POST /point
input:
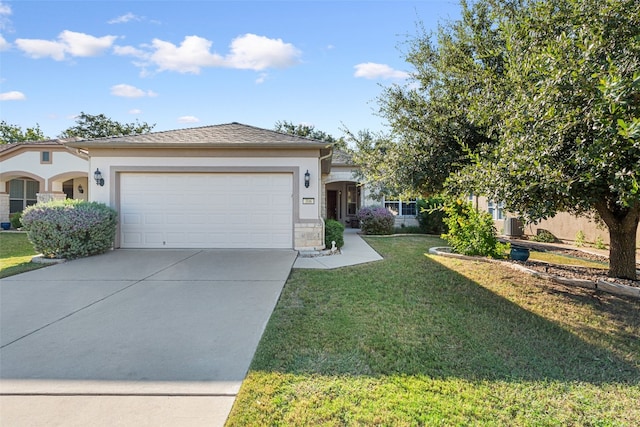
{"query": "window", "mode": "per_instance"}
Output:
(45, 157)
(22, 193)
(496, 210)
(400, 208)
(393, 207)
(352, 200)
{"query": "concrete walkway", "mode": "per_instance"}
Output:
(355, 251)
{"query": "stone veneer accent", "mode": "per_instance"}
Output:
(4, 207)
(309, 236)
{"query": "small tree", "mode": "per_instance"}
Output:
(471, 232)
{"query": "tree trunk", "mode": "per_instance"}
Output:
(623, 227)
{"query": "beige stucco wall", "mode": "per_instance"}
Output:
(62, 163)
(563, 226)
(566, 226)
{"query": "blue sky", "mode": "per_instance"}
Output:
(180, 64)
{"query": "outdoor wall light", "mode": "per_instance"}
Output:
(307, 179)
(80, 189)
(97, 175)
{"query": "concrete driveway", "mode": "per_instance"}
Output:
(141, 323)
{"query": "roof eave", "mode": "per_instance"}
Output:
(182, 145)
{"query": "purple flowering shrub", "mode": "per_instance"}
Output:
(376, 220)
(70, 228)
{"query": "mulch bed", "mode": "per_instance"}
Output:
(575, 272)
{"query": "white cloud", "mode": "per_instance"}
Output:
(194, 53)
(5, 12)
(128, 91)
(127, 17)
(4, 44)
(12, 96)
(68, 43)
(41, 48)
(5, 9)
(80, 44)
(258, 53)
(129, 51)
(188, 119)
(262, 78)
(135, 111)
(371, 70)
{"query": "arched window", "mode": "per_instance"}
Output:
(22, 193)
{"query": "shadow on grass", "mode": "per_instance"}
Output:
(411, 315)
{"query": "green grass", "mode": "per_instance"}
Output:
(565, 260)
(15, 254)
(421, 340)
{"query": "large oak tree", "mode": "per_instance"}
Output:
(534, 102)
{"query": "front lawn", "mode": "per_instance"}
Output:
(15, 254)
(428, 340)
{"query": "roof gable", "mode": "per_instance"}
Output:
(16, 148)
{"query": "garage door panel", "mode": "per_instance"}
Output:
(164, 210)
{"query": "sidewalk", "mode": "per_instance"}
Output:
(355, 251)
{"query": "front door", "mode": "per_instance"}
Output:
(332, 204)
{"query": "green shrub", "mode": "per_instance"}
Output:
(376, 220)
(70, 228)
(333, 232)
(471, 232)
(431, 216)
(579, 242)
(544, 236)
(599, 243)
(16, 220)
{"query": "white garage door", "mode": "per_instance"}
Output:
(206, 210)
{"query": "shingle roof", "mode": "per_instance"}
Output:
(47, 142)
(341, 158)
(224, 135)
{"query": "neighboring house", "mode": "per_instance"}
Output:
(40, 171)
(563, 226)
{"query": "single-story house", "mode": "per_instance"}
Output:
(221, 186)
